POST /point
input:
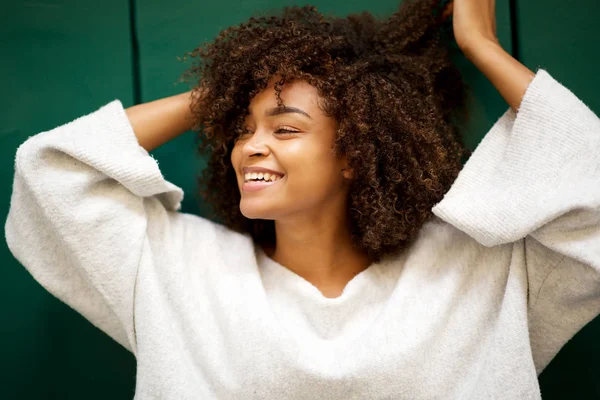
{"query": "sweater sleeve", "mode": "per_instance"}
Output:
(78, 215)
(536, 176)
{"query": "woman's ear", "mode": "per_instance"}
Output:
(347, 172)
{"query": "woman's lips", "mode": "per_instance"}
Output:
(253, 186)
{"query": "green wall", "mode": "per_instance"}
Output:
(60, 60)
(63, 59)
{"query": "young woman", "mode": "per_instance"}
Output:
(354, 260)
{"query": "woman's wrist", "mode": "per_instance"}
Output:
(186, 110)
(478, 47)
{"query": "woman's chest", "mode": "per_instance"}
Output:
(441, 333)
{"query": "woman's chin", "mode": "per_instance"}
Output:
(252, 211)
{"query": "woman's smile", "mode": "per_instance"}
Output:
(256, 178)
(254, 185)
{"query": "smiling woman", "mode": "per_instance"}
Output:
(299, 148)
(312, 189)
(358, 260)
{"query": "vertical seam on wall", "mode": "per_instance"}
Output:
(135, 54)
(514, 29)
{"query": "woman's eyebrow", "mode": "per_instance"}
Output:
(284, 110)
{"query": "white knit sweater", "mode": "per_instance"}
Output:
(502, 276)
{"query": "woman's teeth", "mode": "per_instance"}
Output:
(261, 176)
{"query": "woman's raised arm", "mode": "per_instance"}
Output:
(159, 121)
(474, 25)
(89, 204)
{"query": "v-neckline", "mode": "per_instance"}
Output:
(318, 295)
(326, 324)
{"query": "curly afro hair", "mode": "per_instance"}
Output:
(389, 82)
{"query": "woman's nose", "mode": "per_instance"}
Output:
(256, 145)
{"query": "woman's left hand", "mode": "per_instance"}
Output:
(472, 22)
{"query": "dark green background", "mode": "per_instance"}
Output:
(65, 58)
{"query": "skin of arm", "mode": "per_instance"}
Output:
(508, 75)
(156, 122)
(474, 26)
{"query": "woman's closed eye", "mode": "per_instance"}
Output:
(281, 131)
(286, 131)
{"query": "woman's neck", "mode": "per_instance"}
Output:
(320, 251)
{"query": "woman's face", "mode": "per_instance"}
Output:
(297, 145)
